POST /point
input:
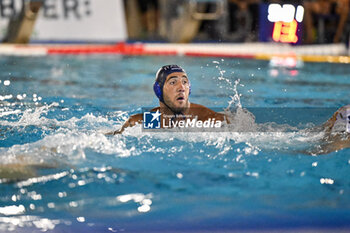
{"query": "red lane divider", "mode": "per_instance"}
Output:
(140, 49)
(203, 54)
(120, 48)
(133, 50)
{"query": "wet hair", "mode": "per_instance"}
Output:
(161, 77)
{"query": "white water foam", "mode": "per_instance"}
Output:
(75, 136)
(69, 139)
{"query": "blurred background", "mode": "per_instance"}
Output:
(60, 173)
(299, 22)
(296, 22)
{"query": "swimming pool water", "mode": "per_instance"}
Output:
(60, 173)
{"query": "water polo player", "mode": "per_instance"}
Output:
(173, 88)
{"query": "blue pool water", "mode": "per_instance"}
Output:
(60, 173)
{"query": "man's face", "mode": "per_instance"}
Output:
(176, 90)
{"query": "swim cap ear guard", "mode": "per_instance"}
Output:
(161, 77)
(158, 91)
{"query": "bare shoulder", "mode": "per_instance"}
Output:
(199, 107)
(205, 113)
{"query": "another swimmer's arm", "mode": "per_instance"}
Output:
(337, 141)
(328, 125)
(341, 113)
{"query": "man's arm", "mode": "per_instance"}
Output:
(133, 120)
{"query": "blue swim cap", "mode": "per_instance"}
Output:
(161, 77)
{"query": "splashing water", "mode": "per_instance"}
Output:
(57, 164)
(69, 139)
